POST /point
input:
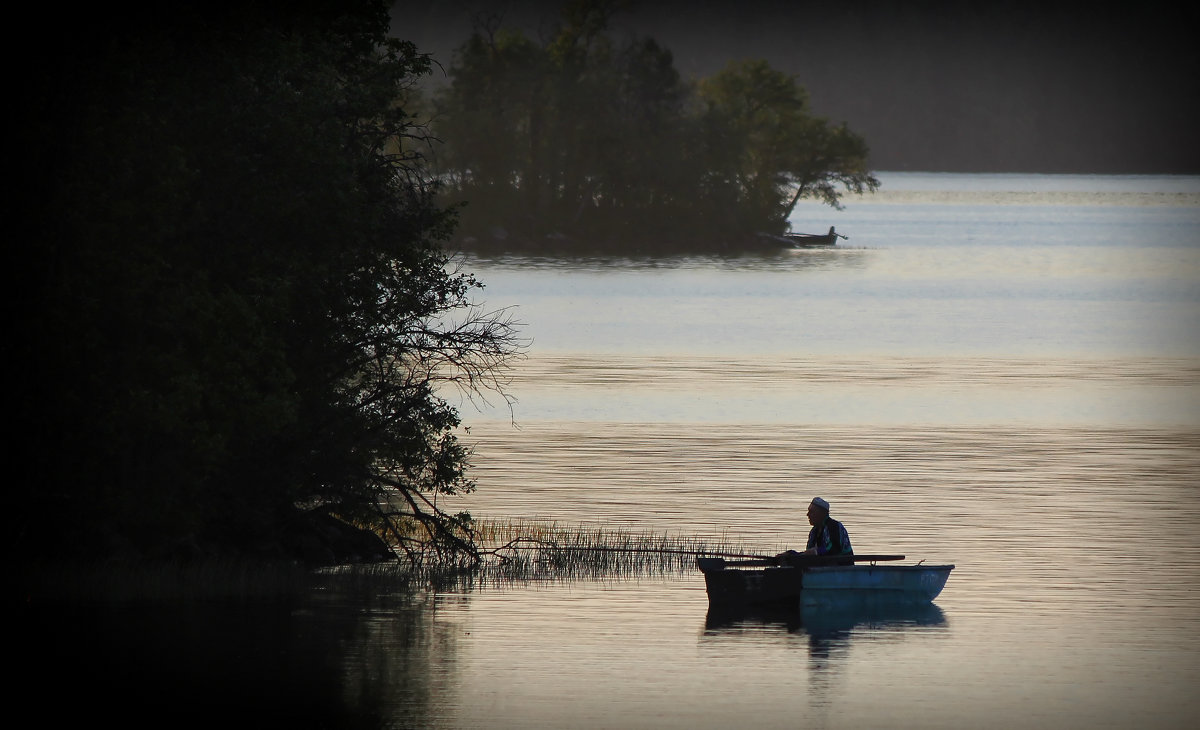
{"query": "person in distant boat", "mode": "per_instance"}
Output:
(827, 536)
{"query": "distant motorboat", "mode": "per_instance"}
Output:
(810, 240)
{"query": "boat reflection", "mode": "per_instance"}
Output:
(823, 624)
(822, 635)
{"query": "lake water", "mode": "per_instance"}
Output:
(1001, 372)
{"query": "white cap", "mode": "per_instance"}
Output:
(818, 502)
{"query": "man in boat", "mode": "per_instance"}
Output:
(827, 536)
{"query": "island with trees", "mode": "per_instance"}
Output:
(584, 142)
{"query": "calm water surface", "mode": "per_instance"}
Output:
(999, 372)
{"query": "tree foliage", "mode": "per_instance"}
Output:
(239, 301)
(776, 151)
(600, 140)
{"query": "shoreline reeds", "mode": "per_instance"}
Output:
(523, 551)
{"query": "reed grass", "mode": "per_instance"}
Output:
(521, 550)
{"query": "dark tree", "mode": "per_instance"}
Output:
(774, 150)
(238, 305)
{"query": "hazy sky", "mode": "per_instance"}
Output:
(1019, 86)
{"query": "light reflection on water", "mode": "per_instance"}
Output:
(995, 500)
(645, 654)
(897, 296)
(1072, 525)
(847, 390)
(999, 372)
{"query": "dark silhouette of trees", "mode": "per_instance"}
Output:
(238, 304)
(589, 139)
(775, 149)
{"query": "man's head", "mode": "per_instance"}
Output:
(818, 510)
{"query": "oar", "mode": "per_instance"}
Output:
(802, 560)
(666, 551)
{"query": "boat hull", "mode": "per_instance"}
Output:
(800, 240)
(826, 585)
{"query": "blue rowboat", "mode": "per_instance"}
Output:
(804, 580)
